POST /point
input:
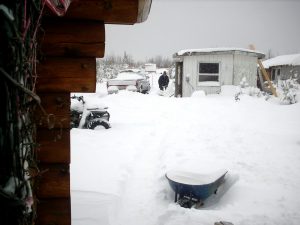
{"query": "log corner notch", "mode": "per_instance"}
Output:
(69, 47)
(144, 10)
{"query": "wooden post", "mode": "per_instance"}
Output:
(266, 76)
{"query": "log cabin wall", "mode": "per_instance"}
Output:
(69, 48)
(68, 64)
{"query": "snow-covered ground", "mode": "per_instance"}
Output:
(118, 175)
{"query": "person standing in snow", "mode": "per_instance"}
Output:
(163, 81)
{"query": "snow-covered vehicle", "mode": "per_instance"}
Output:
(88, 118)
(128, 78)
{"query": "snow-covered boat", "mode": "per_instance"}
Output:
(194, 188)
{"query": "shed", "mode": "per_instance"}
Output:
(209, 68)
(150, 67)
(283, 67)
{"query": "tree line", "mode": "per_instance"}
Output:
(110, 65)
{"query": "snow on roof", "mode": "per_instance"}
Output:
(215, 50)
(131, 70)
(282, 60)
(128, 76)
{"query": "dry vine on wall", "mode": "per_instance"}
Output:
(19, 23)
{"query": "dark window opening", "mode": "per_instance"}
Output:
(211, 68)
(203, 78)
(208, 72)
(273, 75)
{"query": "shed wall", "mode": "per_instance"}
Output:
(233, 67)
(245, 66)
(287, 72)
(190, 69)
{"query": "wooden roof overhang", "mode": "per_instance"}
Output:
(108, 11)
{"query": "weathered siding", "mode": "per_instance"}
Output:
(286, 72)
(190, 68)
(233, 67)
(245, 66)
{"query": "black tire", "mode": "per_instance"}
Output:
(106, 116)
(72, 125)
(94, 123)
(185, 203)
(141, 89)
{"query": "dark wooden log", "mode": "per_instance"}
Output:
(54, 181)
(54, 211)
(73, 38)
(74, 49)
(109, 11)
(53, 146)
(57, 74)
(57, 109)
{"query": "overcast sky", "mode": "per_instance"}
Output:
(174, 25)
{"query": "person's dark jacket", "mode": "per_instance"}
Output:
(163, 81)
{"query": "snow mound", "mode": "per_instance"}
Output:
(131, 88)
(191, 178)
(112, 90)
(229, 90)
(118, 175)
(198, 94)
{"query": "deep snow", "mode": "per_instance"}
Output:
(118, 175)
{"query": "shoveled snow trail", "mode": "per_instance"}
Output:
(145, 172)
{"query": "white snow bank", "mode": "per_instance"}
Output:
(198, 94)
(118, 175)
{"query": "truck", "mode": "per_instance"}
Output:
(130, 80)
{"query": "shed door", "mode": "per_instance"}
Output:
(178, 79)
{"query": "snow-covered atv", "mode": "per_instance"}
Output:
(88, 118)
